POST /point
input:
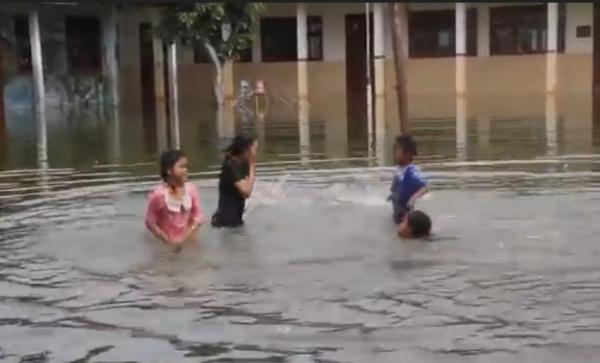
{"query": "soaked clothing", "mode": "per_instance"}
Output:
(407, 181)
(231, 202)
(173, 216)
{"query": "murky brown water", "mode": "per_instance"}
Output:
(317, 275)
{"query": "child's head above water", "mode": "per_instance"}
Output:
(173, 167)
(242, 146)
(415, 224)
(405, 149)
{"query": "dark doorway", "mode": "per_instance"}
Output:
(147, 80)
(356, 76)
(83, 45)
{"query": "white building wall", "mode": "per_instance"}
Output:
(578, 14)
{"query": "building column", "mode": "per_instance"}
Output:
(173, 95)
(483, 30)
(109, 59)
(159, 92)
(303, 105)
(551, 125)
(461, 48)
(36, 61)
(596, 76)
(552, 48)
(461, 128)
(379, 68)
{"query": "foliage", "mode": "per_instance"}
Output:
(202, 24)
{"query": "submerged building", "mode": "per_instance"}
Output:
(312, 51)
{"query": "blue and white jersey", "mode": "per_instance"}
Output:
(407, 181)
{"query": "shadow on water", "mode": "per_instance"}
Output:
(317, 274)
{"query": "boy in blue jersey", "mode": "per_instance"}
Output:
(408, 186)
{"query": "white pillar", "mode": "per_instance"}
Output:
(379, 55)
(303, 105)
(36, 62)
(302, 40)
(483, 30)
(461, 47)
(461, 128)
(109, 59)
(369, 63)
(173, 95)
(551, 125)
(552, 48)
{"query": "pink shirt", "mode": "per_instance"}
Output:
(174, 216)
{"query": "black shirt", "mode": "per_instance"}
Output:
(231, 202)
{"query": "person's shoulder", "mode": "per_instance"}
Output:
(191, 187)
(157, 191)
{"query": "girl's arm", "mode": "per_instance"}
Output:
(152, 215)
(246, 185)
(197, 217)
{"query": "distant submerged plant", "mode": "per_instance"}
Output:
(223, 29)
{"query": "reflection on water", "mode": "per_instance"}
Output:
(317, 275)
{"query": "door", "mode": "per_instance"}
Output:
(147, 84)
(356, 77)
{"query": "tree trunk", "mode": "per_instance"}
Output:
(399, 38)
(218, 81)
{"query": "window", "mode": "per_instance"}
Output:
(23, 47)
(83, 44)
(279, 38)
(522, 29)
(315, 37)
(583, 31)
(432, 33)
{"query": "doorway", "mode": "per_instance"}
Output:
(147, 84)
(356, 76)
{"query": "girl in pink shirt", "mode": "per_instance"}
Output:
(174, 211)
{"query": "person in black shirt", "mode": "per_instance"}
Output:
(236, 181)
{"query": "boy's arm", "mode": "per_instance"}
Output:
(421, 192)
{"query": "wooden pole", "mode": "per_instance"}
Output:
(399, 38)
(173, 96)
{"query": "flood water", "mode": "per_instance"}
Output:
(317, 274)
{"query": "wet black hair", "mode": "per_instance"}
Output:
(407, 143)
(168, 159)
(239, 145)
(419, 223)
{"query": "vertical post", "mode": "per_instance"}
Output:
(379, 55)
(109, 64)
(303, 105)
(369, 78)
(552, 48)
(483, 30)
(399, 39)
(159, 93)
(551, 125)
(461, 128)
(173, 95)
(36, 60)
(461, 48)
(228, 86)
